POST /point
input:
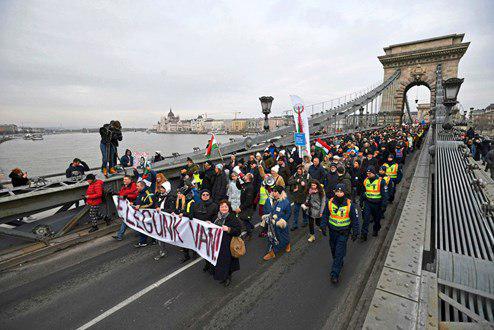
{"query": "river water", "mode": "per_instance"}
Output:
(55, 152)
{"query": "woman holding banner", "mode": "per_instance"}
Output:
(232, 227)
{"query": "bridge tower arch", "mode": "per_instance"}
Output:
(418, 62)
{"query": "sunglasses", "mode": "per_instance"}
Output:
(205, 194)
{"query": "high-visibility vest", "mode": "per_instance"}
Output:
(387, 179)
(263, 196)
(392, 170)
(197, 179)
(339, 216)
(189, 205)
(372, 189)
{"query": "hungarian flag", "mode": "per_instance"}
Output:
(211, 146)
(323, 146)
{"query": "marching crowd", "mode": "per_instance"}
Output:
(343, 187)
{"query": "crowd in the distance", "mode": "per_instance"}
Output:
(353, 174)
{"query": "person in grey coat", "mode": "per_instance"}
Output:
(314, 206)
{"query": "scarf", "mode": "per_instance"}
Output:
(220, 220)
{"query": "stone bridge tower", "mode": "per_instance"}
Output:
(418, 62)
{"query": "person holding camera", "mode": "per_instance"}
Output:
(314, 206)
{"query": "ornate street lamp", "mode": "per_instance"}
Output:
(266, 102)
(451, 88)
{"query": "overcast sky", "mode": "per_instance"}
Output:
(82, 63)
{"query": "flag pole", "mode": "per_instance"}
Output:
(219, 151)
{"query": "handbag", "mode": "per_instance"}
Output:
(237, 247)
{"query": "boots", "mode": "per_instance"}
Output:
(105, 171)
(288, 248)
(312, 238)
(113, 170)
(93, 228)
(270, 255)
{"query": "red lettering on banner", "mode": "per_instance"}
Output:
(165, 224)
(203, 238)
(176, 233)
(147, 225)
(158, 227)
(120, 202)
(193, 232)
(127, 216)
(168, 227)
(211, 242)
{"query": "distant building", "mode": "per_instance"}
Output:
(9, 129)
(423, 111)
(482, 120)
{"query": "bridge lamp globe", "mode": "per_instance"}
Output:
(451, 88)
(266, 102)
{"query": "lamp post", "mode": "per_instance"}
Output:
(451, 88)
(266, 102)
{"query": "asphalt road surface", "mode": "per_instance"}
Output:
(104, 284)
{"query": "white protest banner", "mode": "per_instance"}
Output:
(301, 123)
(197, 235)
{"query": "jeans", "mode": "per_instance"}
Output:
(372, 213)
(296, 212)
(122, 230)
(108, 155)
(143, 239)
(337, 244)
(311, 224)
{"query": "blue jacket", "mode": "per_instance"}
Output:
(283, 210)
(127, 161)
(145, 199)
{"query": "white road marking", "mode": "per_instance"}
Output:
(141, 293)
(137, 295)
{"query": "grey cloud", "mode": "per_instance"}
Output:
(83, 62)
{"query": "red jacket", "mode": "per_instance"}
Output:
(94, 193)
(129, 192)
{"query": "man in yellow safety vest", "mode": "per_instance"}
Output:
(374, 197)
(343, 219)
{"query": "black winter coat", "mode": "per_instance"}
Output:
(227, 264)
(208, 177)
(18, 180)
(166, 202)
(247, 196)
(219, 187)
(204, 210)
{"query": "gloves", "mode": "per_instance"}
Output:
(275, 216)
(304, 207)
(281, 223)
